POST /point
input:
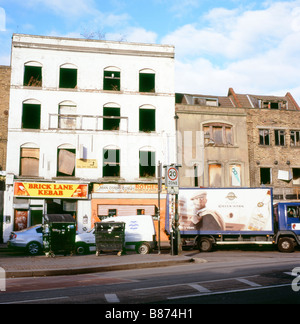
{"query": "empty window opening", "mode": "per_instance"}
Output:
(68, 78)
(31, 117)
(112, 81)
(29, 162)
(147, 120)
(66, 162)
(295, 138)
(111, 120)
(265, 176)
(147, 164)
(296, 176)
(264, 137)
(147, 82)
(279, 137)
(32, 76)
(111, 163)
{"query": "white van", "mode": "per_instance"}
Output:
(139, 234)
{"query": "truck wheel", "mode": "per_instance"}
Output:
(205, 244)
(286, 244)
(143, 248)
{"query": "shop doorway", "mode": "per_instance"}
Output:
(36, 216)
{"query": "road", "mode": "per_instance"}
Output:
(228, 277)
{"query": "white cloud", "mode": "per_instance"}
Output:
(133, 34)
(253, 51)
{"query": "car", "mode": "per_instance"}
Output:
(85, 242)
(29, 239)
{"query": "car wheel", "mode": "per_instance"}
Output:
(81, 249)
(33, 248)
(143, 248)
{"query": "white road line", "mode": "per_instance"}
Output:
(199, 288)
(112, 298)
(248, 282)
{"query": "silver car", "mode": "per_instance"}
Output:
(29, 240)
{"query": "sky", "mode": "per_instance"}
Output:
(251, 46)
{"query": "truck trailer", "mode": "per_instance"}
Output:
(208, 217)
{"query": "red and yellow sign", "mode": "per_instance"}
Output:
(50, 190)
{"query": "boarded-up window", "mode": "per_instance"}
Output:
(67, 119)
(29, 164)
(66, 162)
(215, 175)
(235, 173)
(221, 134)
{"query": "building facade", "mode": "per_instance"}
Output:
(212, 142)
(273, 124)
(89, 121)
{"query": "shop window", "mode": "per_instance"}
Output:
(147, 81)
(265, 176)
(295, 138)
(31, 116)
(29, 161)
(68, 78)
(111, 163)
(112, 80)
(112, 212)
(111, 122)
(264, 137)
(32, 76)
(147, 120)
(279, 137)
(147, 164)
(66, 162)
(220, 134)
(215, 175)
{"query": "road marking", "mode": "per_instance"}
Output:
(229, 291)
(199, 288)
(248, 282)
(112, 298)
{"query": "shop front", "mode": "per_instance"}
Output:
(128, 200)
(31, 200)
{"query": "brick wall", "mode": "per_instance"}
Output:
(4, 108)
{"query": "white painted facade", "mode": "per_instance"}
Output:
(90, 58)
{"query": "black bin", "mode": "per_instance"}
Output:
(59, 232)
(110, 236)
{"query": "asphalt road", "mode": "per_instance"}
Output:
(228, 277)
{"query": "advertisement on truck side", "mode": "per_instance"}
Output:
(223, 210)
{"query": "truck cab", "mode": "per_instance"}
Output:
(287, 216)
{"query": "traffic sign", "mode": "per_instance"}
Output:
(172, 179)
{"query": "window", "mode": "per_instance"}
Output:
(279, 137)
(215, 175)
(68, 77)
(66, 157)
(111, 122)
(140, 211)
(111, 163)
(293, 211)
(221, 134)
(147, 120)
(296, 176)
(147, 164)
(295, 138)
(29, 161)
(111, 80)
(31, 116)
(147, 81)
(235, 172)
(264, 137)
(66, 118)
(265, 176)
(32, 75)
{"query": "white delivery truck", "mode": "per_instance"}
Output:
(139, 234)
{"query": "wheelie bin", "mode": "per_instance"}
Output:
(59, 232)
(110, 236)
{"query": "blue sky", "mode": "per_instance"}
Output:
(252, 46)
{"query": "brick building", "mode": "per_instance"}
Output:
(273, 124)
(4, 105)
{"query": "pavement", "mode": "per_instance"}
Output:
(20, 265)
